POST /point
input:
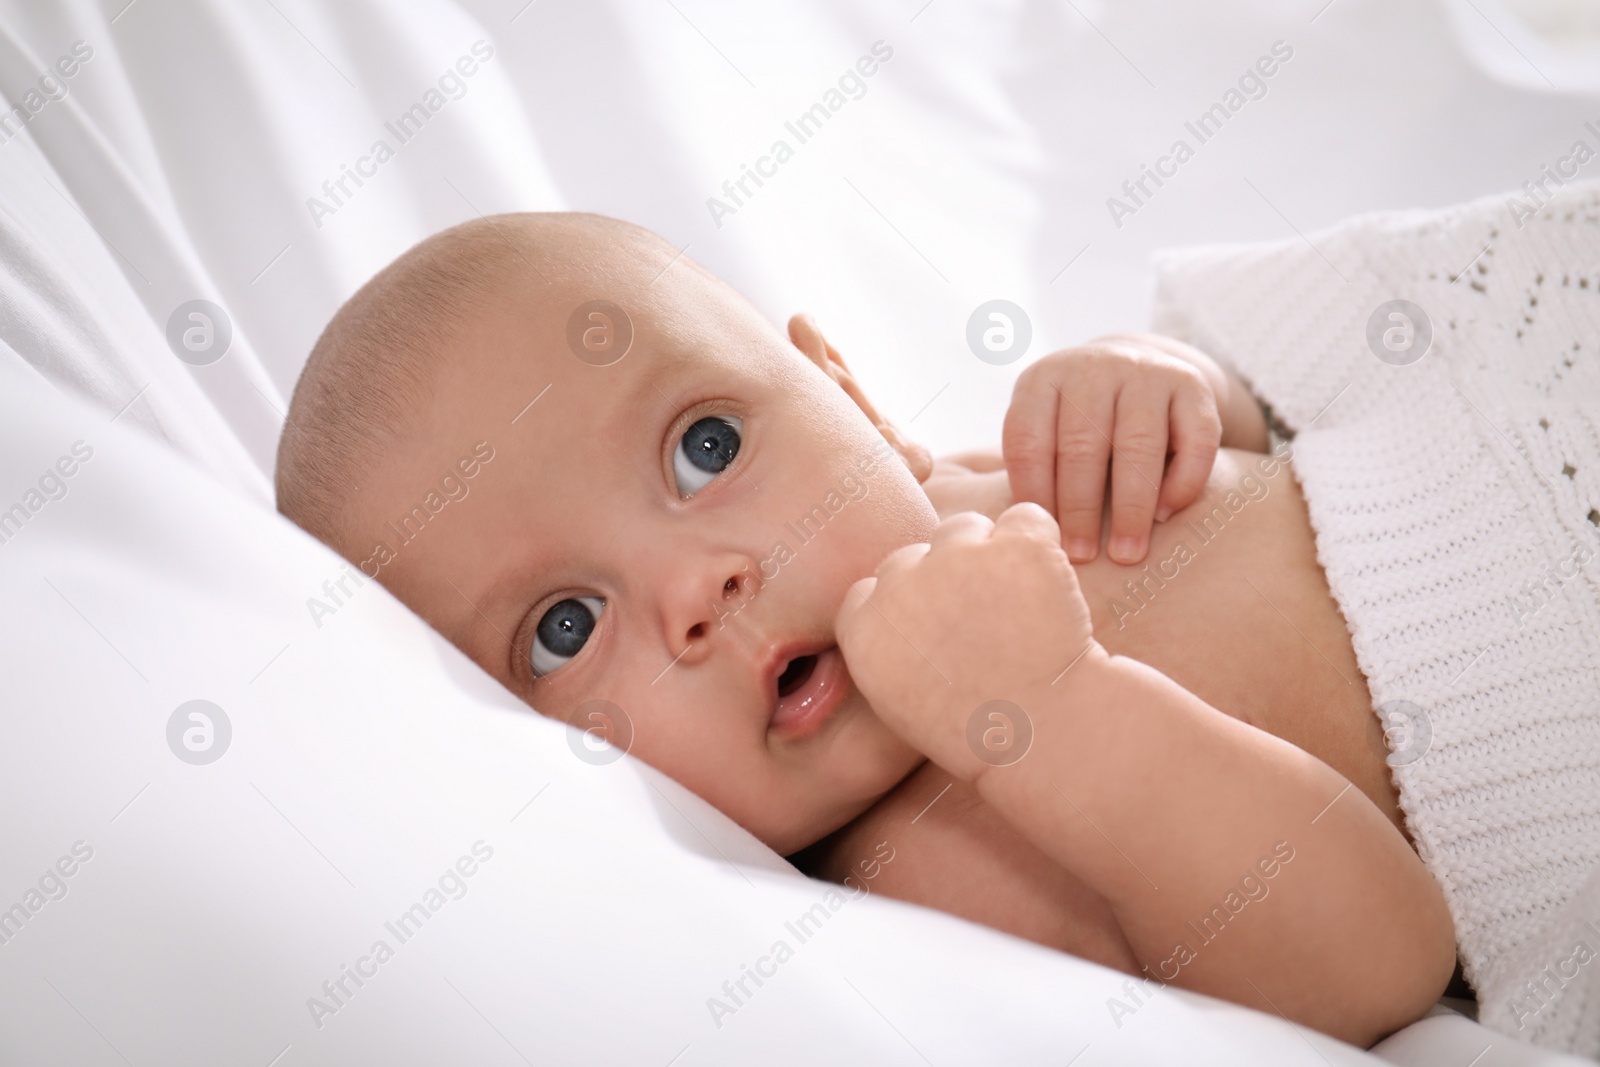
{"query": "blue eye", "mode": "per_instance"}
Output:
(705, 451)
(563, 631)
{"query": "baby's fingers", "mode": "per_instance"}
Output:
(1028, 439)
(1027, 519)
(847, 621)
(1083, 448)
(1136, 471)
(1056, 447)
(1196, 432)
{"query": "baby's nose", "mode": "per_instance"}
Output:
(737, 593)
(711, 612)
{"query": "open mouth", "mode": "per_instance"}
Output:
(809, 690)
(795, 674)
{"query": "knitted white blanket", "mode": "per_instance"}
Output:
(1456, 500)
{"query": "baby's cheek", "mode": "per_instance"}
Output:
(684, 743)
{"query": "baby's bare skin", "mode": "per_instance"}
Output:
(1247, 624)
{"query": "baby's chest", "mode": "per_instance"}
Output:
(1233, 605)
(1230, 601)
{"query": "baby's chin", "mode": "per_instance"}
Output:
(864, 764)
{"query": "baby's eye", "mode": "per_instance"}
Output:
(705, 451)
(562, 631)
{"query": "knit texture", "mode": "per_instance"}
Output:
(1455, 502)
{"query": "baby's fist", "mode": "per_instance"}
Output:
(984, 611)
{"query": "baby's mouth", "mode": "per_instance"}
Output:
(795, 674)
(810, 688)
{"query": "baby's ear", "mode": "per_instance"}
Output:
(808, 339)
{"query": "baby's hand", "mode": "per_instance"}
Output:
(983, 611)
(1126, 398)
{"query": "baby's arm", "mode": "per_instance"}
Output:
(1176, 812)
(1157, 801)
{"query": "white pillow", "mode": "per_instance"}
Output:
(190, 154)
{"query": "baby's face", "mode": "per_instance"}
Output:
(666, 533)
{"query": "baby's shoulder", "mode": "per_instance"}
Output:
(972, 461)
(969, 481)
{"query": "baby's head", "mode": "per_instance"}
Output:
(655, 501)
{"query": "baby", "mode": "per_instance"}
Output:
(685, 523)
